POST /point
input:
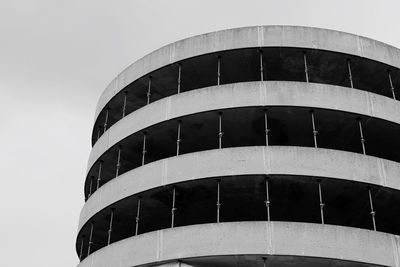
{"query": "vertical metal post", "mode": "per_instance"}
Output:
(81, 249)
(178, 140)
(266, 127)
(220, 132)
(118, 161)
(261, 66)
(350, 74)
(219, 71)
(98, 132)
(144, 151)
(110, 227)
(305, 66)
(173, 209)
(105, 121)
(315, 132)
(372, 208)
(99, 174)
(149, 91)
(179, 77)
(267, 202)
(218, 199)
(90, 238)
(361, 136)
(124, 104)
(321, 203)
(391, 85)
(90, 186)
(265, 261)
(137, 217)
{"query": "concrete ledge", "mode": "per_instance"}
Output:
(271, 93)
(243, 161)
(258, 36)
(241, 238)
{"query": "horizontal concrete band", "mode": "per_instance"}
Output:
(244, 161)
(259, 36)
(241, 238)
(271, 93)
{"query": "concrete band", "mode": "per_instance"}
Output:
(271, 93)
(241, 238)
(259, 36)
(244, 161)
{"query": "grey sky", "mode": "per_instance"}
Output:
(56, 57)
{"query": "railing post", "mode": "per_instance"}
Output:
(372, 208)
(315, 132)
(266, 127)
(321, 203)
(99, 174)
(361, 136)
(178, 140)
(90, 238)
(149, 91)
(391, 85)
(110, 226)
(218, 200)
(350, 74)
(137, 217)
(305, 66)
(124, 104)
(267, 201)
(144, 151)
(220, 132)
(173, 209)
(118, 161)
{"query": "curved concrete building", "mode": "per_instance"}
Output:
(258, 146)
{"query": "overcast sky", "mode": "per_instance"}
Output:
(56, 57)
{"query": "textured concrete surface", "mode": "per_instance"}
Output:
(271, 93)
(268, 238)
(241, 161)
(258, 36)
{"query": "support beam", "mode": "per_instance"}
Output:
(144, 151)
(118, 166)
(124, 104)
(361, 136)
(90, 238)
(137, 217)
(350, 74)
(315, 132)
(99, 174)
(391, 85)
(305, 66)
(266, 127)
(267, 201)
(173, 208)
(179, 76)
(110, 226)
(261, 66)
(372, 212)
(178, 139)
(321, 203)
(220, 132)
(149, 90)
(218, 200)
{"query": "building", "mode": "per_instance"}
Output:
(258, 146)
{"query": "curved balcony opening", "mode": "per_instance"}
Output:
(247, 126)
(244, 198)
(250, 64)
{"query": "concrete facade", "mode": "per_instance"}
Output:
(257, 146)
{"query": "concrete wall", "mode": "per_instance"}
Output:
(273, 93)
(240, 238)
(260, 36)
(242, 161)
